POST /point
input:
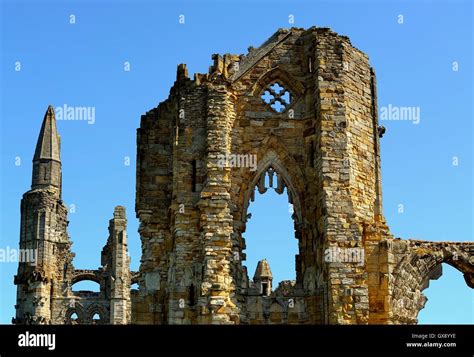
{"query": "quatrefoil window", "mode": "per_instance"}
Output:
(277, 97)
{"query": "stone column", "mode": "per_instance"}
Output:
(120, 309)
(217, 288)
(185, 269)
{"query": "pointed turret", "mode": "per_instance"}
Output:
(263, 277)
(47, 159)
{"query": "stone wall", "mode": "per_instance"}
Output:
(322, 149)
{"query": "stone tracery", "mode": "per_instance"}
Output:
(277, 97)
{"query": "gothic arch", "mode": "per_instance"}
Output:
(277, 74)
(81, 275)
(272, 161)
(414, 272)
(78, 310)
(96, 309)
(271, 155)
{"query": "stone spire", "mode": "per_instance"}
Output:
(43, 231)
(47, 160)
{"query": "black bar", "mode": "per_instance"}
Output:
(221, 340)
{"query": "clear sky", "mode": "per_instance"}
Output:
(421, 51)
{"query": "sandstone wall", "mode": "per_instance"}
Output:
(322, 148)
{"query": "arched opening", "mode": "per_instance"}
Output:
(271, 247)
(96, 319)
(86, 286)
(449, 299)
(74, 318)
(134, 286)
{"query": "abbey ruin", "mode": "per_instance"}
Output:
(303, 106)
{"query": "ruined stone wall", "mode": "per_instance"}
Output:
(153, 200)
(411, 266)
(86, 305)
(347, 149)
(189, 149)
(322, 147)
(113, 301)
(278, 141)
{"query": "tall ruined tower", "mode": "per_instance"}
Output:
(43, 231)
(304, 105)
(45, 292)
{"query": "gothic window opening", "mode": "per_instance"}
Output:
(270, 243)
(96, 319)
(277, 97)
(73, 318)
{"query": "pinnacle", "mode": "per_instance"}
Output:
(48, 146)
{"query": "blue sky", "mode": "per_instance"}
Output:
(82, 64)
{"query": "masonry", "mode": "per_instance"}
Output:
(44, 293)
(304, 104)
